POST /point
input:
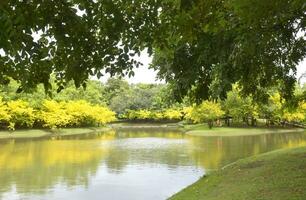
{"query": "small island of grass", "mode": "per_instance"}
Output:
(277, 175)
(203, 130)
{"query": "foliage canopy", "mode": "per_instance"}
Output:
(200, 46)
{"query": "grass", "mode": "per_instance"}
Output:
(277, 175)
(203, 130)
(78, 131)
(31, 133)
(144, 125)
(36, 133)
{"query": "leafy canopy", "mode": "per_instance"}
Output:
(200, 46)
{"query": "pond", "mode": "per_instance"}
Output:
(124, 164)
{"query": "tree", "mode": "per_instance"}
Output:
(94, 93)
(202, 47)
(209, 45)
(78, 39)
(239, 107)
(207, 111)
(272, 109)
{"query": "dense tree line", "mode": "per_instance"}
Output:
(153, 102)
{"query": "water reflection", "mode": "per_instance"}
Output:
(125, 164)
(215, 152)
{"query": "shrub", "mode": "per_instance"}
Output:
(21, 114)
(173, 114)
(4, 113)
(54, 114)
(296, 115)
(74, 113)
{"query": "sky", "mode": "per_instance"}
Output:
(145, 75)
(142, 74)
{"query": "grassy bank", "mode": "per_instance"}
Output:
(277, 175)
(36, 133)
(145, 125)
(203, 130)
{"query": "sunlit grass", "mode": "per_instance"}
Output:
(36, 133)
(278, 175)
(31, 133)
(203, 130)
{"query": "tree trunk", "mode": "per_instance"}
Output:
(254, 123)
(228, 121)
(210, 124)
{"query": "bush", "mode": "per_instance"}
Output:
(173, 114)
(296, 115)
(4, 113)
(74, 113)
(21, 115)
(53, 114)
(168, 114)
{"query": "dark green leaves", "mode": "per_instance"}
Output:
(201, 46)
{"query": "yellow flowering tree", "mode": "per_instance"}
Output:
(207, 111)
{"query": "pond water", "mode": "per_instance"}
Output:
(126, 164)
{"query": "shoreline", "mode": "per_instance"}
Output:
(41, 133)
(232, 131)
(250, 178)
(200, 130)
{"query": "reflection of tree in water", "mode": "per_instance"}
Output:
(34, 167)
(215, 152)
(37, 166)
(150, 148)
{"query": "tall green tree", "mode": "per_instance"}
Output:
(240, 108)
(200, 46)
(209, 45)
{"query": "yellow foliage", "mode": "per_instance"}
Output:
(157, 115)
(206, 111)
(74, 113)
(173, 114)
(143, 114)
(54, 114)
(297, 115)
(4, 114)
(20, 114)
(103, 115)
(187, 112)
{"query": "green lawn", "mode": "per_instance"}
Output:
(78, 131)
(31, 133)
(36, 133)
(277, 175)
(203, 130)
